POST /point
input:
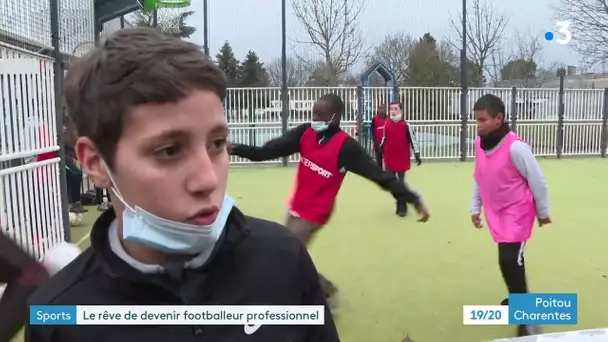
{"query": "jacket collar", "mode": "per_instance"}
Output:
(235, 232)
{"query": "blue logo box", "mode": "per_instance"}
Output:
(52, 315)
(543, 308)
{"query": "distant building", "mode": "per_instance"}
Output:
(571, 81)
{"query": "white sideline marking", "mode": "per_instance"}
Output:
(584, 161)
(84, 238)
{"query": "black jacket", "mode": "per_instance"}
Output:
(257, 263)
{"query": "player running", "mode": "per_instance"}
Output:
(326, 154)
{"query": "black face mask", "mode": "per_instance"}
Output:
(490, 141)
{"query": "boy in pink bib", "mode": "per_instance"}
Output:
(511, 188)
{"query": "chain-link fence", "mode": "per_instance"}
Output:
(38, 39)
(32, 188)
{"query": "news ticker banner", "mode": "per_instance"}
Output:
(528, 308)
(248, 316)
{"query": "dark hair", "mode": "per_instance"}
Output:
(335, 102)
(397, 103)
(491, 104)
(132, 67)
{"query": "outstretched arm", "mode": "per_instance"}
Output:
(283, 146)
(354, 159)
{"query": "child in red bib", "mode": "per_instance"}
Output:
(377, 132)
(399, 139)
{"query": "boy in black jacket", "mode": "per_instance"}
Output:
(149, 111)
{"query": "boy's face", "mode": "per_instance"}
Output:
(382, 110)
(486, 123)
(396, 110)
(321, 111)
(171, 159)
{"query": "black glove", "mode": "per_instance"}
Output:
(418, 160)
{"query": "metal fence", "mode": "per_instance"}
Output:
(555, 123)
(38, 39)
(30, 196)
(576, 128)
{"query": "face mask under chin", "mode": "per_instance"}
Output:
(167, 236)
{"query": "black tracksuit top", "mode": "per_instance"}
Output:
(256, 262)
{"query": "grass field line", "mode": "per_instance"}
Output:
(84, 238)
(582, 161)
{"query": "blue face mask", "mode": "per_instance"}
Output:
(321, 126)
(172, 237)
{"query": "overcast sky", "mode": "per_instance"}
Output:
(256, 24)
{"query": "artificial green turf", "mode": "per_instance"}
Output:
(399, 277)
(80, 234)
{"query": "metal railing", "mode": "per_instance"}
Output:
(576, 128)
(555, 123)
(30, 196)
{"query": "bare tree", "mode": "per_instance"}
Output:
(589, 27)
(485, 28)
(497, 61)
(524, 65)
(527, 45)
(297, 72)
(333, 32)
(393, 52)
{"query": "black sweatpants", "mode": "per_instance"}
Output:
(378, 155)
(400, 177)
(512, 267)
(400, 207)
(99, 195)
(73, 177)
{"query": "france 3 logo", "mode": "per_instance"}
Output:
(564, 36)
